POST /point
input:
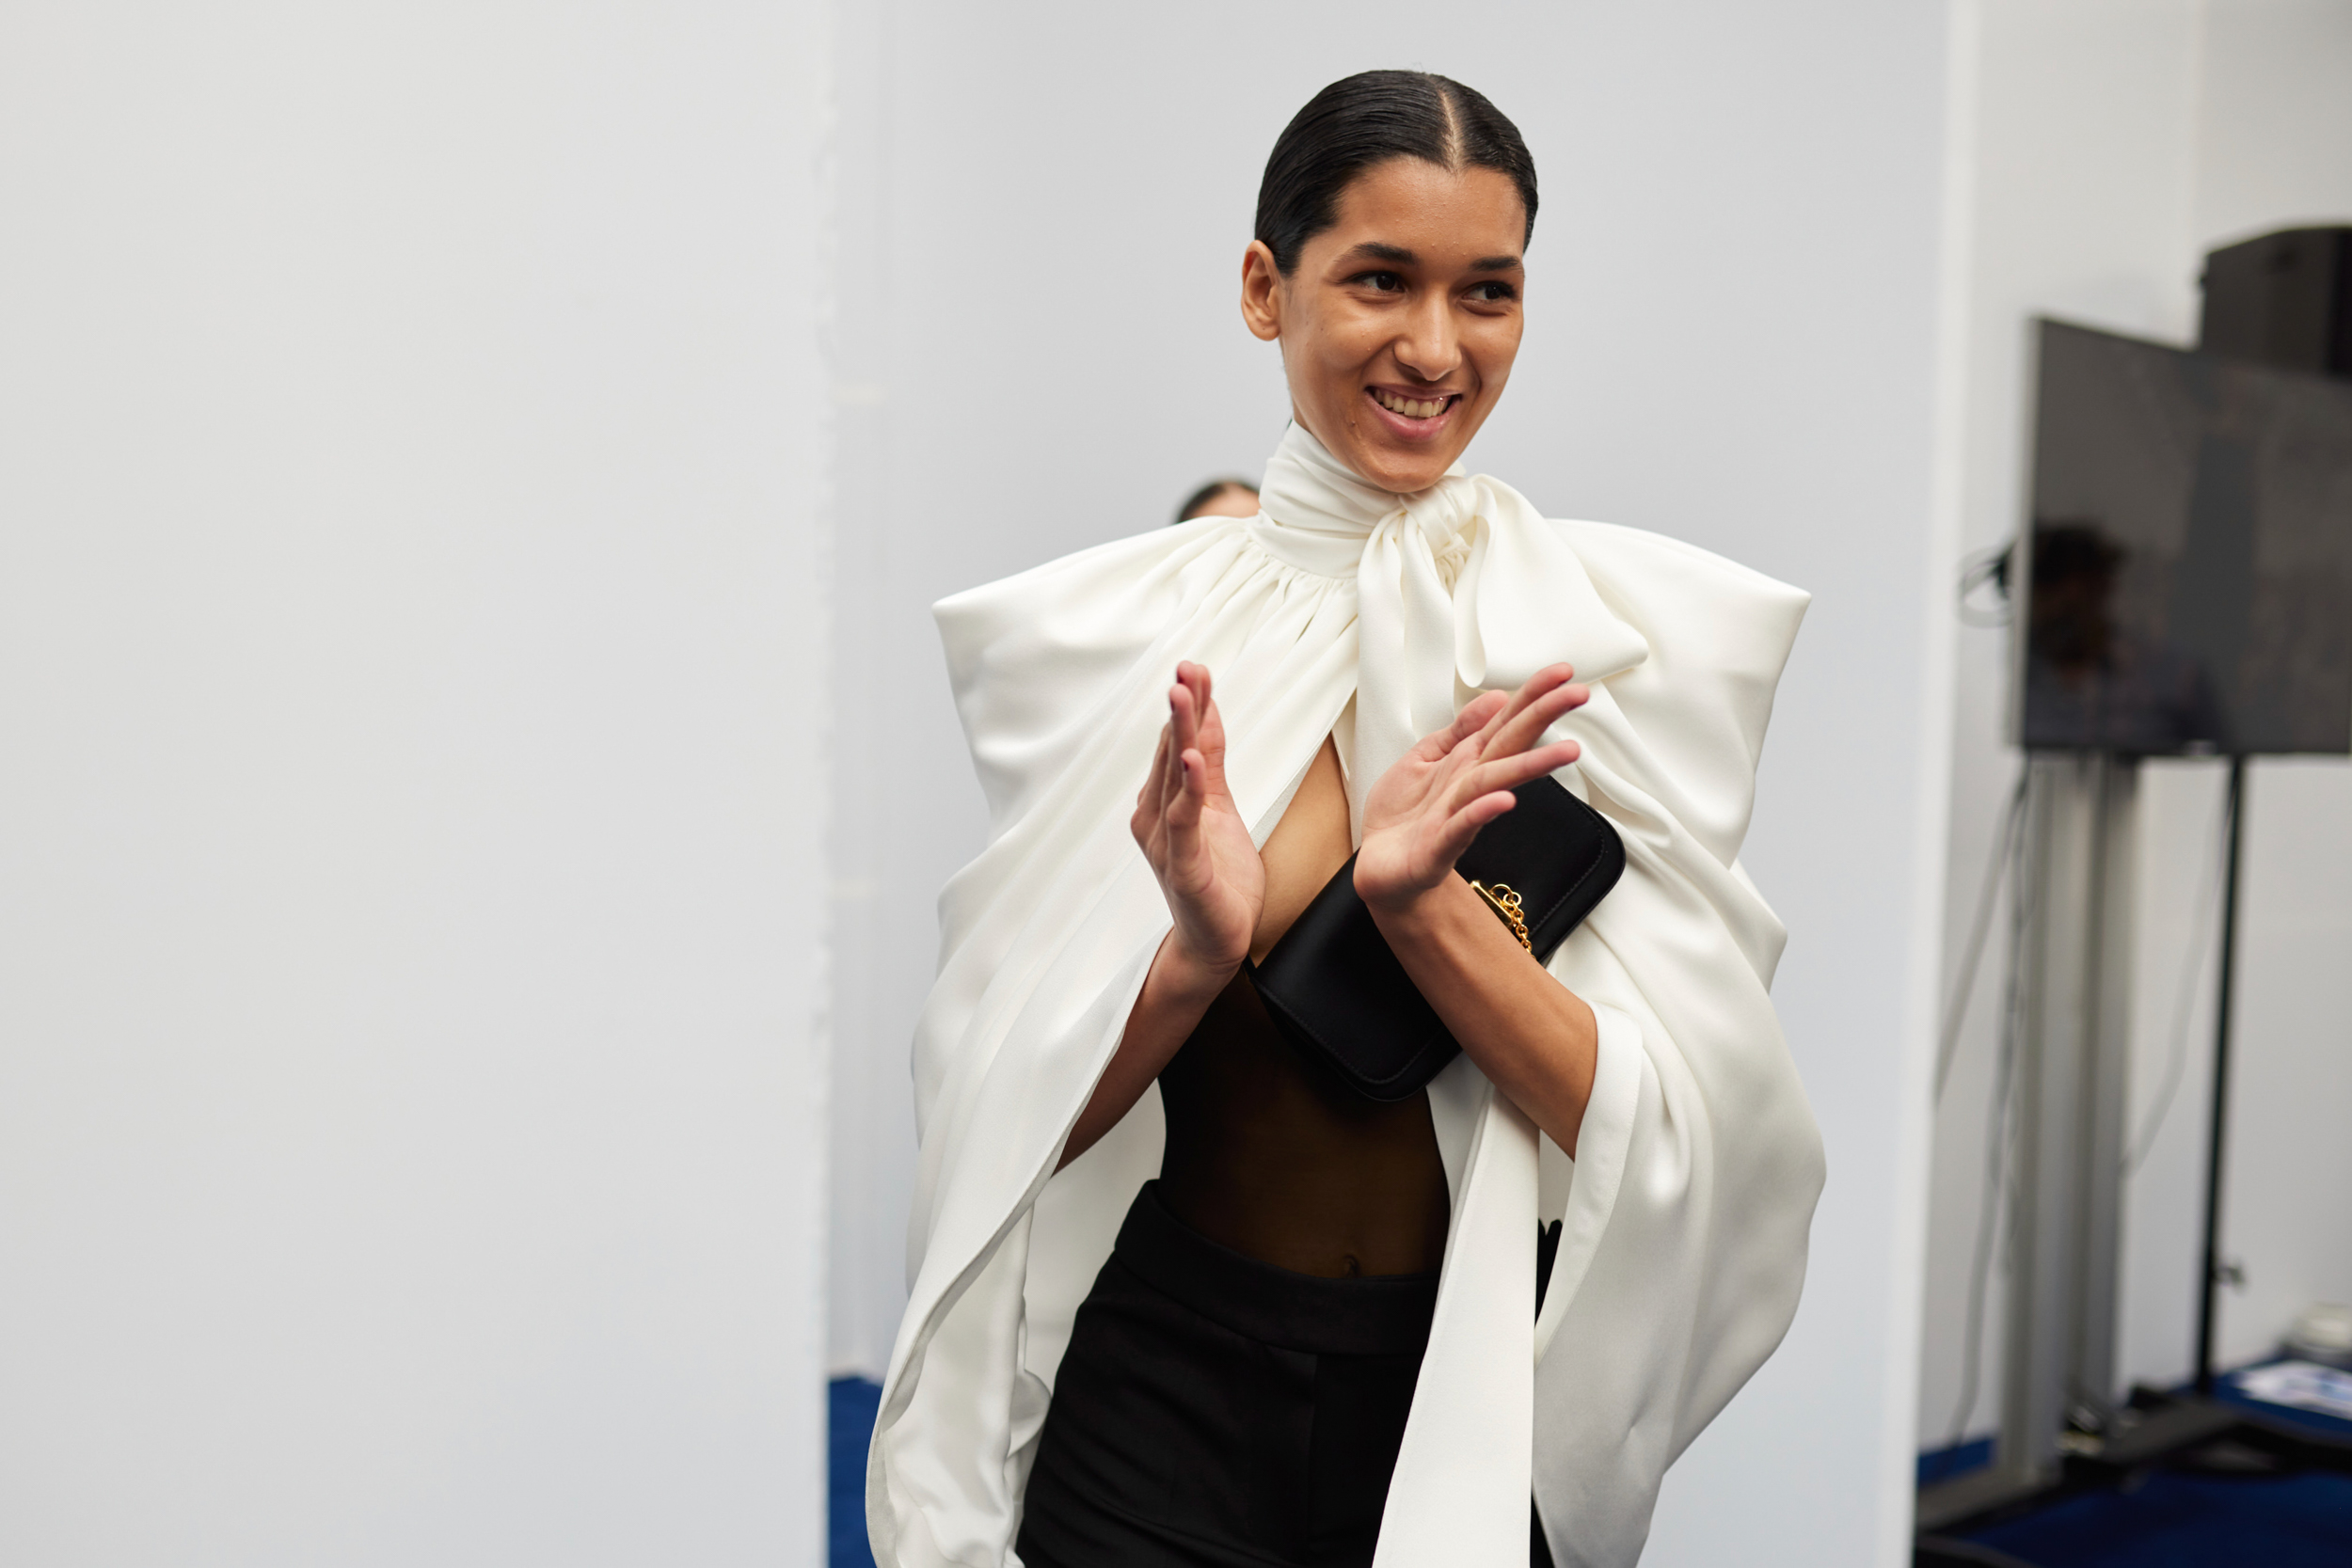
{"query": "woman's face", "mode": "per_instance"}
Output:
(1400, 324)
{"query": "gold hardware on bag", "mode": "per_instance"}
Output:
(1505, 903)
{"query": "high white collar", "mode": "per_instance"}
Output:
(1464, 582)
(1316, 511)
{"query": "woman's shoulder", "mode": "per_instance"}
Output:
(1692, 605)
(1718, 634)
(1638, 556)
(1078, 606)
(1035, 660)
(1079, 571)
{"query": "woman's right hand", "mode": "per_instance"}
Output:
(1214, 885)
(1198, 847)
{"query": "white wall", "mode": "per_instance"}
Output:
(2078, 151)
(2116, 141)
(410, 1134)
(1733, 316)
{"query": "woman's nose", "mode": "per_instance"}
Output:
(1429, 348)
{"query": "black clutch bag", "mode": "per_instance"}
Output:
(1334, 986)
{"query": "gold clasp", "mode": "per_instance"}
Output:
(1506, 904)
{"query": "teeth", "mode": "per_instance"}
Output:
(1412, 408)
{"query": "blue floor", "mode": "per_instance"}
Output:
(1958, 1460)
(2188, 1521)
(850, 1404)
(2171, 1519)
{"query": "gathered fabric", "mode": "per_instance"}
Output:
(1347, 612)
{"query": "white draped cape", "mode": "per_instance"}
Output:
(1342, 610)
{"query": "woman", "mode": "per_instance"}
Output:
(1315, 1338)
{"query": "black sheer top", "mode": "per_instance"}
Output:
(1271, 1154)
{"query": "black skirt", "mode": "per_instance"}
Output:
(1215, 1411)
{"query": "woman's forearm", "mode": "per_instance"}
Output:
(1535, 1037)
(1175, 995)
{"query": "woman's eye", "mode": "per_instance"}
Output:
(1385, 282)
(1493, 293)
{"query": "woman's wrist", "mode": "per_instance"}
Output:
(1403, 913)
(1180, 973)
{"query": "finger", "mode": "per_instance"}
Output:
(1192, 795)
(1171, 755)
(1533, 690)
(1149, 801)
(1537, 706)
(1548, 678)
(1185, 850)
(1473, 721)
(1526, 727)
(1196, 678)
(1444, 783)
(1455, 837)
(1171, 776)
(1211, 741)
(1154, 788)
(1475, 777)
(1509, 772)
(1184, 711)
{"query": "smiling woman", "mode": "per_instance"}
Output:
(1387, 263)
(1186, 1297)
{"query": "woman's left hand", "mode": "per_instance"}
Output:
(1422, 813)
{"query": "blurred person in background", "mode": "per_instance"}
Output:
(1185, 1297)
(1221, 497)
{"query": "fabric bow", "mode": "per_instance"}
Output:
(1465, 582)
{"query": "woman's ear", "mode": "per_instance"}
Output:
(1260, 293)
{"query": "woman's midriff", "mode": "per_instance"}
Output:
(1268, 1152)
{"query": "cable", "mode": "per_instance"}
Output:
(1956, 1011)
(1996, 1133)
(2192, 972)
(1988, 568)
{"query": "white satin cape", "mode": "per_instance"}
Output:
(1345, 609)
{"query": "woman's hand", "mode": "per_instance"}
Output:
(1422, 813)
(1214, 885)
(1531, 1036)
(1197, 845)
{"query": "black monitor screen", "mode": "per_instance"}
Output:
(2190, 581)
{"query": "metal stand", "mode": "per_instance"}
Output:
(2217, 1133)
(2060, 1367)
(2073, 1050)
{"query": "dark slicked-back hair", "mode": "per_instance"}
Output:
(1209, 491)
(1366, 120)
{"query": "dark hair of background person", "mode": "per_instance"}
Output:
(1207, 493)
(1369, 119)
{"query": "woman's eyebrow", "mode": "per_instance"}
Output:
(1397, 256)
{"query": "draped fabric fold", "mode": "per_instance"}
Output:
(1464, 585)
(1687, 1210)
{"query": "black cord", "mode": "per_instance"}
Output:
(1997, 1132)
(1987, 567)
(1963, 989)
(2192, 972)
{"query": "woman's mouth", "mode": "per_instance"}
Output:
(1413, 416)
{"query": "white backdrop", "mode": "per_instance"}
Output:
(1734, 314)
(410, 443)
